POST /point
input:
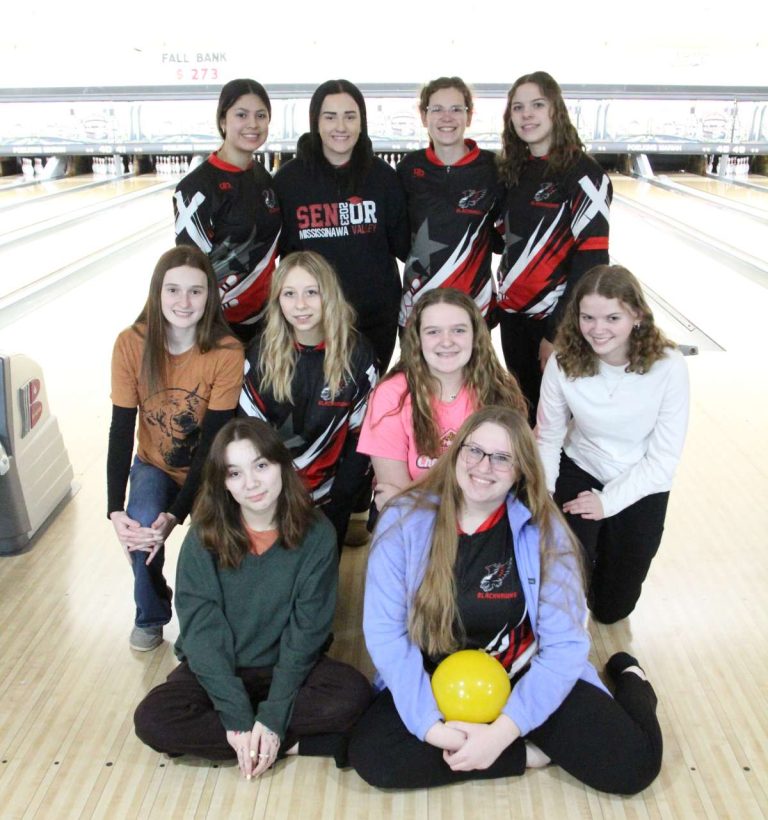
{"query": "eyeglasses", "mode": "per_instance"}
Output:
(500, 462)
(451, 109)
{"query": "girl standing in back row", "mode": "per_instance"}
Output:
(555, 223)
(227, 208)
(339, 200)
(452, 188)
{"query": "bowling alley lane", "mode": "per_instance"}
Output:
(11, 181)
(29, 212)
(727, 226)
(758, 179)
(71, 338)
(723, 188)
(22, 191)
(726, 299)
(36, 257)
(67, 606)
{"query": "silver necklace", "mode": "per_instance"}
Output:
(613, 384)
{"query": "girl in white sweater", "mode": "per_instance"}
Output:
(611, 423)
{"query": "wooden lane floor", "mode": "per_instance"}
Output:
(32, 258)
(18, 193)
(722, 297)
(724, 188)
(733, 228)
(36, 209)
(69, 683)
(11, 181)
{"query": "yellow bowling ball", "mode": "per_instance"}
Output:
(470, 685)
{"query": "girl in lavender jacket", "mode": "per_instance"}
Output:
(476, 556)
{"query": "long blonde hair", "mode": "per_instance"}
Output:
(278, 354)
(433, 620)
(484, 376)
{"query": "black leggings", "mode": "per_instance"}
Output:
(177, 717)
(611, 744)
(619, 549)
(520, 340)
(381, 332)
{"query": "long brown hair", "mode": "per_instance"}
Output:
(151, 324)
(566, 145)
(484, 376)
(277, 351)
(647, 344)
(217, 515)
(433, 621)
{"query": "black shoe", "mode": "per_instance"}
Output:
(618, 663)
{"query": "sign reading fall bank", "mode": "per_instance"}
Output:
(195, 66)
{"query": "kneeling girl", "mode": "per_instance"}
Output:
(309, 375)
(447, 370)
(179, 368)
(611, 426)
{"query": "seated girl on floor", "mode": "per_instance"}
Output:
(255, 595)
(484, 508)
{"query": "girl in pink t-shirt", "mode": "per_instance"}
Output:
(447, 370)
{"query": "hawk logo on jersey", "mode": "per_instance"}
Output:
(419, 172)
(225, 186)
(270, 200)
(495, 575)
(469, 199)
(547, 192)
(337, 400)
(325, 393)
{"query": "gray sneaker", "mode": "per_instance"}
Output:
(144, 638)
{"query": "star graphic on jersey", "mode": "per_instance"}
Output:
(509, 237)
(236, 258)
(423, 247)
(291, 439)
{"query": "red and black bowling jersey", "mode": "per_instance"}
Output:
(555, 230)
(233, 216)
(320, 430)
(489, 596)
(452, 209)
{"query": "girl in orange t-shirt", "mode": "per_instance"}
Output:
(180, 368)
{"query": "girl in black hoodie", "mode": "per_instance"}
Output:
(339, 200)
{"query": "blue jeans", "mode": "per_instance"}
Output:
(151, 492)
